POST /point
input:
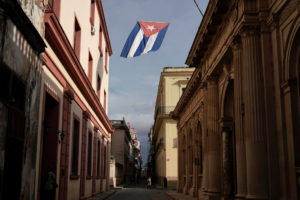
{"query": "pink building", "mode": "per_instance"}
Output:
(74, 129)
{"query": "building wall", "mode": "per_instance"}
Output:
(70, 11)
(172, 81)
(241, 93)
(118, 146)
(21, 46)
(172, 90)
(171, 150)
(65, 79)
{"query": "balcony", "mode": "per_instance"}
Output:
(164, 110)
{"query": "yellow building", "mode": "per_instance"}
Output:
(172, 83)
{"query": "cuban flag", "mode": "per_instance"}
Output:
(145, 37)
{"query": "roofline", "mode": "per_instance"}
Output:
(201, 30)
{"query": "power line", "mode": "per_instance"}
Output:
(198, 8)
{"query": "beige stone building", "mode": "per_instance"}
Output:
(238, 119)
(172, 83)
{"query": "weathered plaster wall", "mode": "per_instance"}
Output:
(19, 56)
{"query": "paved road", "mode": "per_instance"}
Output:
(138, 193)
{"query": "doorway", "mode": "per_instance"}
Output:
(12, 97)
(49, 144)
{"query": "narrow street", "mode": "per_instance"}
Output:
(139, 193)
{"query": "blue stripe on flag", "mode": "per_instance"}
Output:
(159, 38)
(130, 40)
(142, 46)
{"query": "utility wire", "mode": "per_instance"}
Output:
(198, 8)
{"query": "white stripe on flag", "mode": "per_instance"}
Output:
(136, 43)
(150, 43)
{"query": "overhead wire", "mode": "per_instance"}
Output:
(198, 8)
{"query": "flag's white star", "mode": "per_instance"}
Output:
(151, 28)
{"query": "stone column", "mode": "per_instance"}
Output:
(214, 176)
(188, 159)
(180, 161)
(227, 157)
(193, 190)
(255, 136)
(196, 167)
(204, 186)
(238, 119)
(185, 163)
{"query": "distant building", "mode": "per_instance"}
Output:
(125, 148)
(136, 155)
(121, 151)
(172, 83)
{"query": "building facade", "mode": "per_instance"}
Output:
(125, 149)
(121, 151)
(136, 155)
(21, 45)
(238, 119)
(74, 130)
(172, 83)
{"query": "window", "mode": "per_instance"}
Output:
(106, 60)
(75, 145)
(104, 162)
(89, 160)
(98, 85)
(77, 38)
(182, 90)
(90, 68)
(101, 59)
(98, 159)
(92, 12)
(100, 39)
(104, 104)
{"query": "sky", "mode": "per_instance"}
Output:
(134, 81)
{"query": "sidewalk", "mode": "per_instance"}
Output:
(179, 196)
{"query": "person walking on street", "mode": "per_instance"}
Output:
(149, 182)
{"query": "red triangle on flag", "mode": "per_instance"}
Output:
(151, 28)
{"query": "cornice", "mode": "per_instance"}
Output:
(58, 41)
(215, 15)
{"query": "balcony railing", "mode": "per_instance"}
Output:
(164, 110)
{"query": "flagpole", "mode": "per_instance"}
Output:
(198, 7)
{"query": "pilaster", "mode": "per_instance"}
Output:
(214, 176)
(255, 130)
(227, 157)
(204, 139)
(194, 189)
(238, 120)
